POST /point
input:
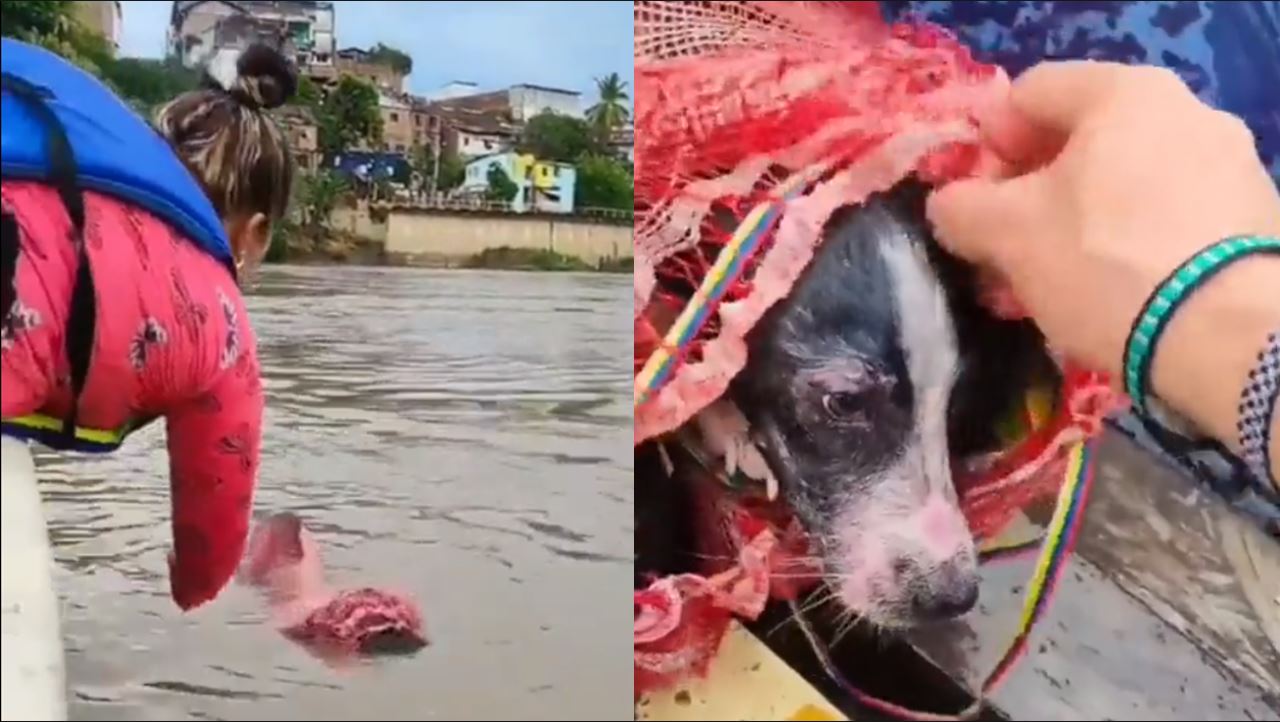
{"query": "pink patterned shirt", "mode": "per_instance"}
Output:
(172, 339)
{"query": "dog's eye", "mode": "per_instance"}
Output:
(843, 405)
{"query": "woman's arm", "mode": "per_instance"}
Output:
(214, 443)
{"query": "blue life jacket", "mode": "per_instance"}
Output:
(64, 128)
(116, 152)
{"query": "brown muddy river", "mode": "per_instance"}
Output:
(465, 436)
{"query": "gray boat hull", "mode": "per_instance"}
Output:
(1170, 609)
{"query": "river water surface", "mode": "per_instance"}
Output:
(465, 436)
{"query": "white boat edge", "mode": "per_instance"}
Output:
(34, 676)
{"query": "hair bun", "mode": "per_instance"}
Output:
(258, 76)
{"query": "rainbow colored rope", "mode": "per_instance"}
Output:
(755, 227)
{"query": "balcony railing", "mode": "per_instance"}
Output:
(482, 205)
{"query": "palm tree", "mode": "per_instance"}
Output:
(611, 112)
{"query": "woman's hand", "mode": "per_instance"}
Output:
(1125, 175)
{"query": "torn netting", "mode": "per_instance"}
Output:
(732, 99)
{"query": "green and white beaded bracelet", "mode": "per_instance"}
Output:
(1140, 347)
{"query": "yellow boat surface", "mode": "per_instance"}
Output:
(746, 680)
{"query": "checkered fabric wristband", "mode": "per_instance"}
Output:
(1139, 348)
(1258, 404)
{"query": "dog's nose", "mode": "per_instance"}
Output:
(948, 592)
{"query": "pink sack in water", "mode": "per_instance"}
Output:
(283, 563)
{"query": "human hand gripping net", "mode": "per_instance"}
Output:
(754, 122)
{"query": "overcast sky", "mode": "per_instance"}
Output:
(495, 44)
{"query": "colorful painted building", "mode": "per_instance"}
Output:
(544, 186)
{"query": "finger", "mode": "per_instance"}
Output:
(1063, 96)
(1020, 143)
(1058, 97)
(979, 220)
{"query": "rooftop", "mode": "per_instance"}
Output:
(547, 88)
(488, 113)
(474, 121)
(493, 100)
(501, 153)
(182, 8)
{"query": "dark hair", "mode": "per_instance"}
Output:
(224, 135)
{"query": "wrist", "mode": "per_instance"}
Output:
(1203, 359)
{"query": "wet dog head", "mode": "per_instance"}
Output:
(848, 391)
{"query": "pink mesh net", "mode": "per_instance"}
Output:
(753, 552)
(734, 98)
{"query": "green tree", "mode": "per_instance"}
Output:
(501, 187)
(35, 20)
(452, 172)
(551, 136)
(347, 115)
(318, 194)
(281, 232)
(149, 83)
(85, 48)
(308, 94)
(397, 60)
(422, 161)
(603, 182)
(52, 24)
(611, 112)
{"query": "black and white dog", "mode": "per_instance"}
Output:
(861, 388)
